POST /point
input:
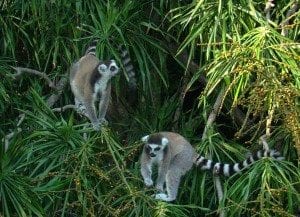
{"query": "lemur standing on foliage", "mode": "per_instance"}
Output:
(90, 81)
(175, 156)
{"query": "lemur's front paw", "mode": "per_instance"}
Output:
(96, 126)
(148, 182)
(83, 113)
(81, 109)
(163, 197)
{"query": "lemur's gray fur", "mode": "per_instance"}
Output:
(175, 156)
(90, 81)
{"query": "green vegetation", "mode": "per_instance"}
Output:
(186, 54)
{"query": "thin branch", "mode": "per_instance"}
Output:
(59, 87)
(243, 120)
(262, 140)
(269, 5)
(22, 117)
(269, 121)
(211, 118)
(9, 136)
(291, 13)
(21, 70)
(62, 109)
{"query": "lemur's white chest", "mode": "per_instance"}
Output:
(100, 85)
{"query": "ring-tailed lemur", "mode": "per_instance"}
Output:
(89, 79)
(175, 156)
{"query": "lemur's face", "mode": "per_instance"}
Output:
(108, 68)
(154, 144)
(153, 149)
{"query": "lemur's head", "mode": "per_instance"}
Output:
(108, 68)
(154, 144)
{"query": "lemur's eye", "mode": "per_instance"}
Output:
(102, 67)
(157, 149)
(113, 68)
(148, 148)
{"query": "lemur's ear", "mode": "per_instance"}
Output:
(164, 141)
(145, 139)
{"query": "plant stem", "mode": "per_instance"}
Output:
(291, 12)
(21, 70)
(211, 118)
(64, 108)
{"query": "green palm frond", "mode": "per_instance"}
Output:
(185, 53)
(264, 190)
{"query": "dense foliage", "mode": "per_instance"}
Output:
(187, 54)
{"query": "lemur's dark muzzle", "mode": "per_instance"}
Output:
(152, 155)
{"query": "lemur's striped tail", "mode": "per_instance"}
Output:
(127, 64)
(131, 91)
(230, 169)
(91, 49)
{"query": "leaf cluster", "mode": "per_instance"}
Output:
(185, 53)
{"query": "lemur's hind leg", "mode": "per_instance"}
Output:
(175, 172)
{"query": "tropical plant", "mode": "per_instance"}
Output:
(224, 74)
